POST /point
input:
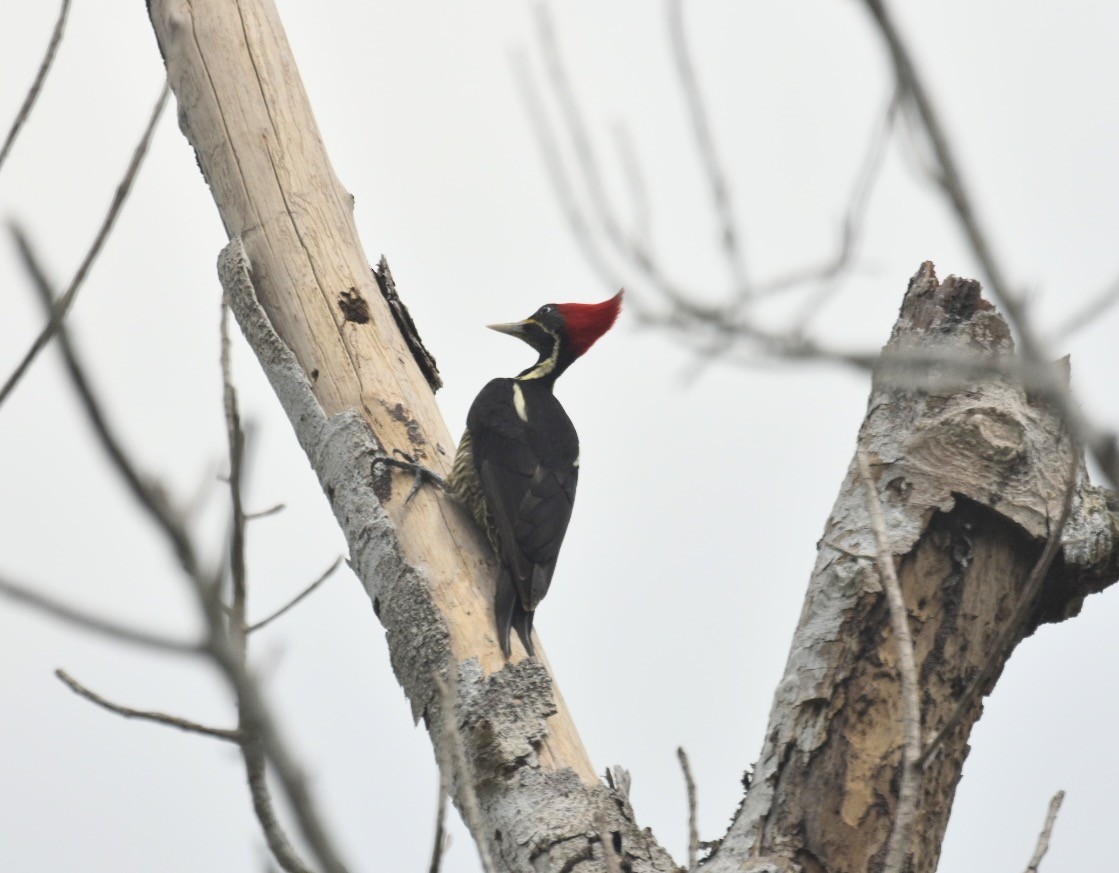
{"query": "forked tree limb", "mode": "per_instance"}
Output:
(968, 478)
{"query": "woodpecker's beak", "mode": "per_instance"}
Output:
(519, 329)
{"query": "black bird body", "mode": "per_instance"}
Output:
(517, 466)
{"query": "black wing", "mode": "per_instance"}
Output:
(528, 470)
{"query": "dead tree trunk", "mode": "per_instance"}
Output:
(353, 390)
(973, 475)
(972, 479)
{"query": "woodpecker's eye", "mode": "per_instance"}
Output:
(544, 310)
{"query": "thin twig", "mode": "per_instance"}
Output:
(1046, 832)
(264, 513)
(256, 771)
(1092, 310)
(295, 600)
(731, 237)
(439, 846)
(87, 621)
(235, 437)
(909, 789)
(252, 748)
(693, 827)
(1103, 445)
(36, 86)
(557, 174)
(150, 496)
(452, 757)
(638, 189)
(62, 306)
(576, 126)
(263, 741)
(256, 718)
(723, 331)
(949, 176)
(1026, 603)
(183, 724)
(639, 256)
(851, 231)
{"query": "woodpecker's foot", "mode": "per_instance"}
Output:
(420, 473)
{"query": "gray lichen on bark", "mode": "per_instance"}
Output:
(970, 479)
(538, 819)
(971, 474)
(342, 451)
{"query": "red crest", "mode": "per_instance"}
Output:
(586, 322)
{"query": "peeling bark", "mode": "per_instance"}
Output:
(538, 816)
(301, 287)
(971, 483)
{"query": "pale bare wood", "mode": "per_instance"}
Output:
(247, 115)
(300, 285)
(973, 482)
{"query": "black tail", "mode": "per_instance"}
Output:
(522, 621)
(504, 607)
(508, 614)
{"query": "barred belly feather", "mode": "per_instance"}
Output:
(467, 487)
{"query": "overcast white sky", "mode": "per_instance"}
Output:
(701, 499)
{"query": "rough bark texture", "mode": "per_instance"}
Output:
(971, 482)
(536, 817)
(304, 295)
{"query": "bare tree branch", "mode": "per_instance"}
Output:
(948, 174)
(586, 161)
(439, 844)
(1046, 832)
(252, 751)
(36, 86)
(727, 326)
(576, 126)
(149, 496)
(693, 828)
(1092, 310)
(256, 722)
(638, 189)
(730, 235)
(183, 724)
(236, 439)
(252, 748)
(851, 229)
(264, 513)
(1104, 446)
(298, 598)
(62, 306)
(909, 789)
(262, 743)
(722, 332)
(557, 174)
(89, 622)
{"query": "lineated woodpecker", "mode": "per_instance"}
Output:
(518, 463)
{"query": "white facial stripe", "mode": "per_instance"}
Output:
(542, 370)
(546, 366)
(576, 464)
(519, 403)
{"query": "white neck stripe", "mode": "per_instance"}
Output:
(546, 366)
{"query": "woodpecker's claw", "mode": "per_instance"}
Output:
(419, 472)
